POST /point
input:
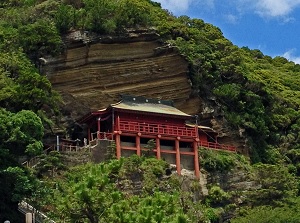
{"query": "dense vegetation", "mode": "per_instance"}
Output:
(254, 92)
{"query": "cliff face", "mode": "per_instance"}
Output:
(95, 70)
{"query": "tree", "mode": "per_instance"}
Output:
(87, 193)
(21, 133)
(276, 185)
(51, 162)
(100, 15)
(24, 87)
(65, 18)
(91, 193)
(16, 184)
(39, 38)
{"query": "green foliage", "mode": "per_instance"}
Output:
(228, 92)
(23, 94)
(267, 214)
(276, 185)
(21, 181)
(151, 145)
(90, 193)
(150, 169)
(50, 163)
(17, 3)
(99, 14)
(21, 133)
(25, 88)
(294, 156)
(65, 18)
(217, 160)
(132, 13)
(39, 38)
(217, 196)
(16, 184)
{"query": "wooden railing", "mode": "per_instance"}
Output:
(35, 160)
(69, 148)
(61, 148)
(39, 217)
(102, 135)
(157, 129)
(217, 146)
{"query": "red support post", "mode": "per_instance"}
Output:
(118, 123)
(196, 159)
(98, 124)
(178, 164)
(118, 145)
(158, 155)
(196, 131)
(138, 144)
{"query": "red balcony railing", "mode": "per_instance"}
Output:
(217, 146)
(157, 129)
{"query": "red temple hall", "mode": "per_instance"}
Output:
(139, 125)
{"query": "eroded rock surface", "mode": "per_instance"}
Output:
(95, 70)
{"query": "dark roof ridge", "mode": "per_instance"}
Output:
(142, 99)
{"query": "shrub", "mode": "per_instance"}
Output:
(216, 160)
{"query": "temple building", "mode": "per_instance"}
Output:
(139, 125)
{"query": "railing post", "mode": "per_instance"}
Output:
(29, 217)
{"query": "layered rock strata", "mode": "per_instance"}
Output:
(96, 70)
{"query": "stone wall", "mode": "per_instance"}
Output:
(72, 158)
(101, 151)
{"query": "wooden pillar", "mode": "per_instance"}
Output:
(196, 159)
(112, 120)
(118, 123)
(138, 144)
(158, 155)
(118, 144)
(178, 166)
(98, 124)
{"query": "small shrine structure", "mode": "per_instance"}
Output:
(139, 125)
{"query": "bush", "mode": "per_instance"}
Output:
(267, 214)
(216, 160)
(217, 196)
